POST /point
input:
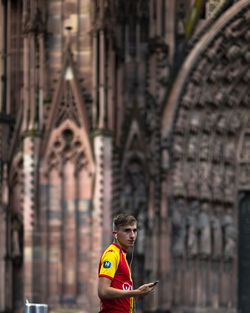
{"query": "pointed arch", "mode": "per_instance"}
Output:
(135, 141)
(202, 123)
(66, 184)
(69, 76)
(134, 166)
(178, 89)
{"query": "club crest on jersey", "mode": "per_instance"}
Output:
(126, 286)
(107, 264)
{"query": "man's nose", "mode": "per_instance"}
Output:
(132, 234)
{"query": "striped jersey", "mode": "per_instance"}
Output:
(114, 266)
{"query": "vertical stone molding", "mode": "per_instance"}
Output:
(54, 237)
(69, 253)
(30, 180)
(83, 218)
(2, 56)
(101, 228)
(3, 256)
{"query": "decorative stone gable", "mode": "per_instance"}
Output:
(66, 193)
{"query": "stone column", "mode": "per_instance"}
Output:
(2, 256)
(2, 28)
(101, 223)
(30, 166)
(151, 257)
(164, 251)
(102, 80)
(84, 194)
(69, 234)
(2, 207)
(54, 261)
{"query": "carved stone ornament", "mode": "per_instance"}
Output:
(178, 185)
(212, 6)
(192, 147)
(35, 23)
(230, 184)
(217, 148)
(244, 175)
(17, 238)
(229, 150)
(67, 146)
(204, 231)
(198, 75)
(178, 228)
(245, 152)
(217, 234)
(217, 74)
(230, 235)
(235, 122)
(134, 193)
(205, 180)
(192, 230)
(191, 172)
(163, 67)
(67, 108)
(204, 150)
(195, 122)
(221, 123)
(211, 53)
(178, 147)
(150, 113)
(181, 123)
(189, 97)
(209, 121)
(217, 182)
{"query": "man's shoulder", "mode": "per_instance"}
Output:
(112, 250)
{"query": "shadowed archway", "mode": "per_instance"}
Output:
(202, 126)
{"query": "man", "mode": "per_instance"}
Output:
(115, 288)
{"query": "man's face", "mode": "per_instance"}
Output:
(126, 235)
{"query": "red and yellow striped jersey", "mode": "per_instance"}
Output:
(114, 265)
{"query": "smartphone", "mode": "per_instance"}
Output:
(155, 282)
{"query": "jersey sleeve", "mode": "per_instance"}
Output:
(109, 264)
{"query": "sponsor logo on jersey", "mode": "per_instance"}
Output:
(127, 286)
(107, 264)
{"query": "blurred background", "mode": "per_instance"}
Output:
(111, 106)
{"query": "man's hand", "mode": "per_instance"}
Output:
(145, 289)
(105, 291)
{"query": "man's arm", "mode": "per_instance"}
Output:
(105, 291)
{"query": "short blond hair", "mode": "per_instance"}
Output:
(122, 220)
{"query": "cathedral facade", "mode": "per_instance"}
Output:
(125, 106)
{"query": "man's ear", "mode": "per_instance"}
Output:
(115, 234)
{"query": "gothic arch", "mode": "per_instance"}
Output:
(180, 84)
(68, 89)
(202, 123)
(134, 171)
(66, 183)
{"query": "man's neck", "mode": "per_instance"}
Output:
(125, 249)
